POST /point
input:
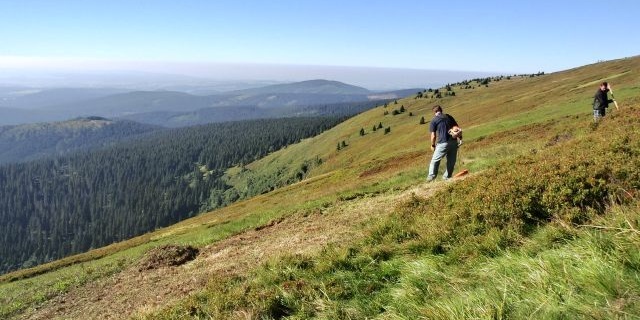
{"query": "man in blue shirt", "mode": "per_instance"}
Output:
(442, 143)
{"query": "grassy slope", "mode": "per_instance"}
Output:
(553, 233)
(503, 105)
(370, 165)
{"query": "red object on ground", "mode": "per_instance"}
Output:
(461, 173)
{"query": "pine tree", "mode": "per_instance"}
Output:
(374, 128)
(387, 130)
(422, 120)
(380, 125)
(361, 132)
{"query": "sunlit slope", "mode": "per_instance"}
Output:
(551, 234)
(434, 257)
(501, 105)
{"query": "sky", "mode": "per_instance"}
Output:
(193, 37)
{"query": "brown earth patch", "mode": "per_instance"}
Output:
(167, 256)
(270, 224)
(558, 138)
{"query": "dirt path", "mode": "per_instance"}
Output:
(133, 292)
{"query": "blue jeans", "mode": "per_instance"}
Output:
(448, 149)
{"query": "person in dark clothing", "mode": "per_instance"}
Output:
(442, 143)
(601, 102)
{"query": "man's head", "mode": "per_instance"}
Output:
(604, 86)
(437, 108)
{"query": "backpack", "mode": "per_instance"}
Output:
(596, 103)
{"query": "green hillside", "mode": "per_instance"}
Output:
(546, 226)
(503, 105)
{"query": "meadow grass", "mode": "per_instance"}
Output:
(540, 237)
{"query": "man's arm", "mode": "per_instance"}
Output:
(433, 141)
(606, 96)
(432, 129)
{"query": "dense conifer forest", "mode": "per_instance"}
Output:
(54, 207)
(26, 142)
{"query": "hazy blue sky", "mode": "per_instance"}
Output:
(503, 36)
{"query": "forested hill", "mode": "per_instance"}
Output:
(32, 141)
(238, 113)
(52, 208)
(318, 86)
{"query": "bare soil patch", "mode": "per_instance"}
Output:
(167, 256)
(558, 138)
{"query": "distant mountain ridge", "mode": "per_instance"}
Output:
(318, 86)
(14, 116)
(57, 96)
(136, 104)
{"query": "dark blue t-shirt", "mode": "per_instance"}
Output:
(441, 125)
